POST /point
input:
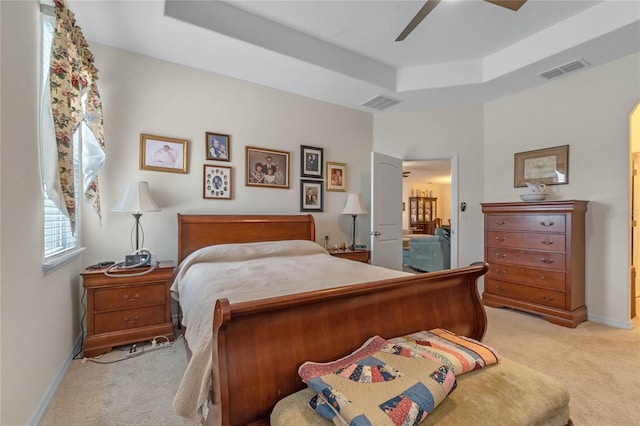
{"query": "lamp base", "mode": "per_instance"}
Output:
(353, 233)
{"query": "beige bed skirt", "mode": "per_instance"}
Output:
(503, 393)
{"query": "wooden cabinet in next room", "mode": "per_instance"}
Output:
(422, 214)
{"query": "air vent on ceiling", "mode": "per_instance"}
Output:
(566, 68)
(380, 102)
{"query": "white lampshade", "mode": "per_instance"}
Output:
(354, 205)
(136, 199)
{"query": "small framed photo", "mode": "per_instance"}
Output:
(549, 166)
(336, 177)
(163, 154)
(311, 161)
(267, 168)
(311, 198)
(218, 146)
(216, 182)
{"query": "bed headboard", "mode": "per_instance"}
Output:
(201, 230)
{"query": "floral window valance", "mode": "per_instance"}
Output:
(74, 99)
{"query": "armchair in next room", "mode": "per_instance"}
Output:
(432, 253)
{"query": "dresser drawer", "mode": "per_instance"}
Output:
(554, 299)
(537, 222)
(105, 299)
(553, 242)
(535, 259)
(552, 280)
(130, 318)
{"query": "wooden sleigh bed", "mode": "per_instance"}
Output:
(258, 345)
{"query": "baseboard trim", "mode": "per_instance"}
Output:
(605, 321)
(48, 395)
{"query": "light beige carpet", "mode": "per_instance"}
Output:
(600, 365)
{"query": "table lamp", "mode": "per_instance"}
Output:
(136, 200)
(354, 208)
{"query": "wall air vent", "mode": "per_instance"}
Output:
(380, 102)
(566, 68)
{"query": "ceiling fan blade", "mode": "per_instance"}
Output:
(422, 13)
(509, 4)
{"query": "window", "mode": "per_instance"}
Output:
(60, 244)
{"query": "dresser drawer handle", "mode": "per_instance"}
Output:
(128, 321)
(549, 299)
(500, 222)
(500, 271)
(547, 223)
(501, 239)
(547, 242)
(502, 256)
(547, 261)
(500, 289)
(133, 299)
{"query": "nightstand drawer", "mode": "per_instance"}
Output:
(357, 255)
(105, 299)
(130, 318)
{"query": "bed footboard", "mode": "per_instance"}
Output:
(259, 345)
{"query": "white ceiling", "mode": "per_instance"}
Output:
(427, 172)
(343, 52)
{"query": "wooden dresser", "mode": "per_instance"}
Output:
(127, 308)
(536, 254)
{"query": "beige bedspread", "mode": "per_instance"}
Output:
(241, 272)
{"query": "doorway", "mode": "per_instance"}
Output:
(434, 178)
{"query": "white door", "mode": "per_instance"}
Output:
(386, 211)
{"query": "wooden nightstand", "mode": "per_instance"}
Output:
(357, 255)
(127, 309)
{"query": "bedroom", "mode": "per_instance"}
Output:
(589, 110)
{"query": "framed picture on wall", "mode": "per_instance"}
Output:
(216, 182)
(163, 154)
(311, 161)
(549, 166)
(311, 196)
(218, 146)
(336, 176)
(267, 168)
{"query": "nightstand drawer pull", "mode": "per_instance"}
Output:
(547, 223)
(133, 299)
(547, 242)
(548, 299)
(501, 255)
(547, 261)
(501, 239)
(500, 222)
(128, 321)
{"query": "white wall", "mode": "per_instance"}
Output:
(40, 314)
(589, 111)
(144, 95)
(443, 133)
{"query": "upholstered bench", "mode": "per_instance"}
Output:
(499, 394)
